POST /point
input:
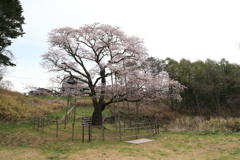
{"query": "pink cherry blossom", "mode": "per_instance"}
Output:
(96, 52)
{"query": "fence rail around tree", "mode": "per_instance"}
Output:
(77, 132)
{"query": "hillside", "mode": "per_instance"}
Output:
(15, 107)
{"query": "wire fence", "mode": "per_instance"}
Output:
(79, 132)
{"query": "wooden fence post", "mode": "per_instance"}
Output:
(42, 124)
(156, 128)
(153, 131)
(82, 133)
(47, 120)
(103, 132)
(136, 129)
(149, 125)
(38, 124)
(41, 121)
(56, 128)
(72, 131)
(34, 122)
(65, 121)
(120, 131)
(89, 133)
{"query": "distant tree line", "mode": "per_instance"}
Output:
(212, 88)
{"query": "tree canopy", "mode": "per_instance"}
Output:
(211, 86)
(11, 21)
(112, 63)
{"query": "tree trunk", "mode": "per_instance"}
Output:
(198, 106)
(99, 104)
(97, 115)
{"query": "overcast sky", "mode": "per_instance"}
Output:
(190, 29)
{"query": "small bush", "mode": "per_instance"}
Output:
(201, 125)
(186, 123)
(222, 125)
(234, 124)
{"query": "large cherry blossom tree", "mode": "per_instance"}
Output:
(110, 62)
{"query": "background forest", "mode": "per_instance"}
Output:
(212, 88)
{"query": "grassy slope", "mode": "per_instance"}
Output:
(14, 107)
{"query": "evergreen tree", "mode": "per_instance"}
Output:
(11, 21)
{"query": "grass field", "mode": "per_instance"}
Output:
(21, 141)
(28, 144)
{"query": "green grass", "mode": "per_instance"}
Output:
(166, 145)
(21, 141)
(87, 111)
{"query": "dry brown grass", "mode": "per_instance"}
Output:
(17, 107)
(159, 112)
(87, 102)
(11, 93)
(165, 146)
(183, 124)
(22, 154)
(200, 124)
(27, 139)
(151, 110)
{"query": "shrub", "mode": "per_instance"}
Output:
(201, 125)
(233, 124)
(186, 123)
(222, 125)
